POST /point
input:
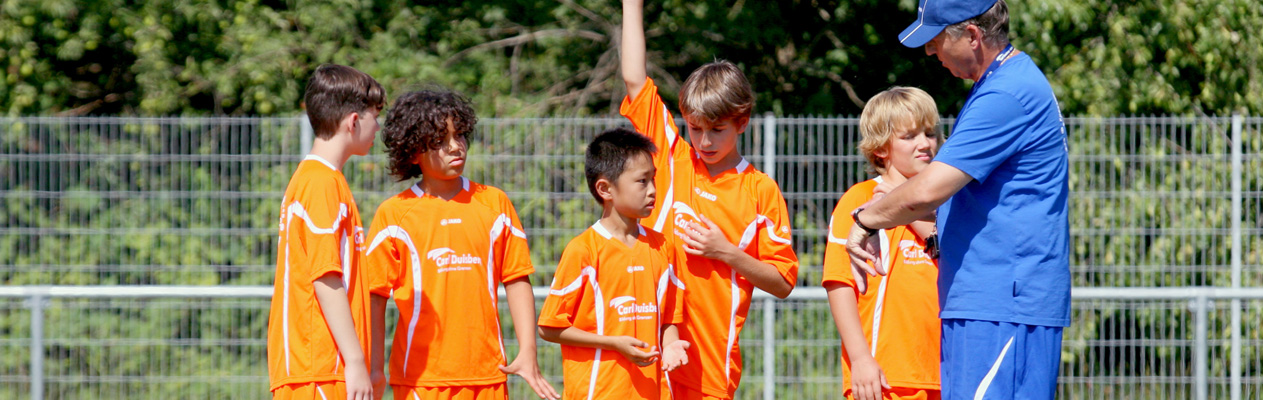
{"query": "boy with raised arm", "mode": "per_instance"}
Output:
(729, 218)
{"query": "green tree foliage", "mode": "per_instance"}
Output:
(539, 57)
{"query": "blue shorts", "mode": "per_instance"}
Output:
(999, 360)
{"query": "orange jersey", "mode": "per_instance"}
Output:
(748, 207)
(900, 311)
(320, 233)
(442, 261)
(604, 287)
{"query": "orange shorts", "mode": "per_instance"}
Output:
(315, 390)
(499, 391)
(905, 394)
(681, 392)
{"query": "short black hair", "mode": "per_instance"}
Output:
(607, 155)
(417, 123)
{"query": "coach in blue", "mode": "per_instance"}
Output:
(1000, 188)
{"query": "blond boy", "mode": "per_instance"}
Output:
(900, 134)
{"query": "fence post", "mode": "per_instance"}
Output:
(37, 346)
(1200, 361)
(769, 349)
(769, 145)
(1234, 368)
(308, 134)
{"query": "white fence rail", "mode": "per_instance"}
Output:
(1181, 357)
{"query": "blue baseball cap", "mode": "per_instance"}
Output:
(934, 15)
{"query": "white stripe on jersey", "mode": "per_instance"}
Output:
(886, 258)
(590, 273)
(667, 201)
(502, 221)
(295, 209)
(748, 235)
(732, 325)
(414, 257)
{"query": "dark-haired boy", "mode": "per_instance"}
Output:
(317, 326)
(615, 288)
(441, 248)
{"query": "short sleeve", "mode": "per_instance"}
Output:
(673, 299)
(988, 132)
(570, 286)
(319, 226)
(649, 115)
(837, 264)
(775, 243)
(384, 257)
(512, 247)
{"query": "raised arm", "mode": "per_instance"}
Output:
(632, 47)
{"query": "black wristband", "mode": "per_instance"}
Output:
(855, 216)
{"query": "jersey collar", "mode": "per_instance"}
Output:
(416, 187)
(739, 168)
(605, 233)
(322, 160)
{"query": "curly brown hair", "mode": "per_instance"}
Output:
(417, 123)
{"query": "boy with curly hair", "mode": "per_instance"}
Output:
(441, 248)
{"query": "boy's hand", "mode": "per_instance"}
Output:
(882, 189)
(379, 383)
(526, 367)
(630, 347)
(674, 355)
(706, 240)
(358, 384)
(867, 379)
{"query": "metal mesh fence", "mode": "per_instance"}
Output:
(193, 201)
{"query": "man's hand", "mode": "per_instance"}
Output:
(707, 240)
(526, 367)
(674, 355)
(863, 249)
(630, 347)
(358, 384)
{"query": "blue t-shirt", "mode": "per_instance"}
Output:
(1005, 236)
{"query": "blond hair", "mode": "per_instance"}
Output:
(716, 91)
(890, 110)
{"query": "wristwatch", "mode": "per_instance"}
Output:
(855, 216)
